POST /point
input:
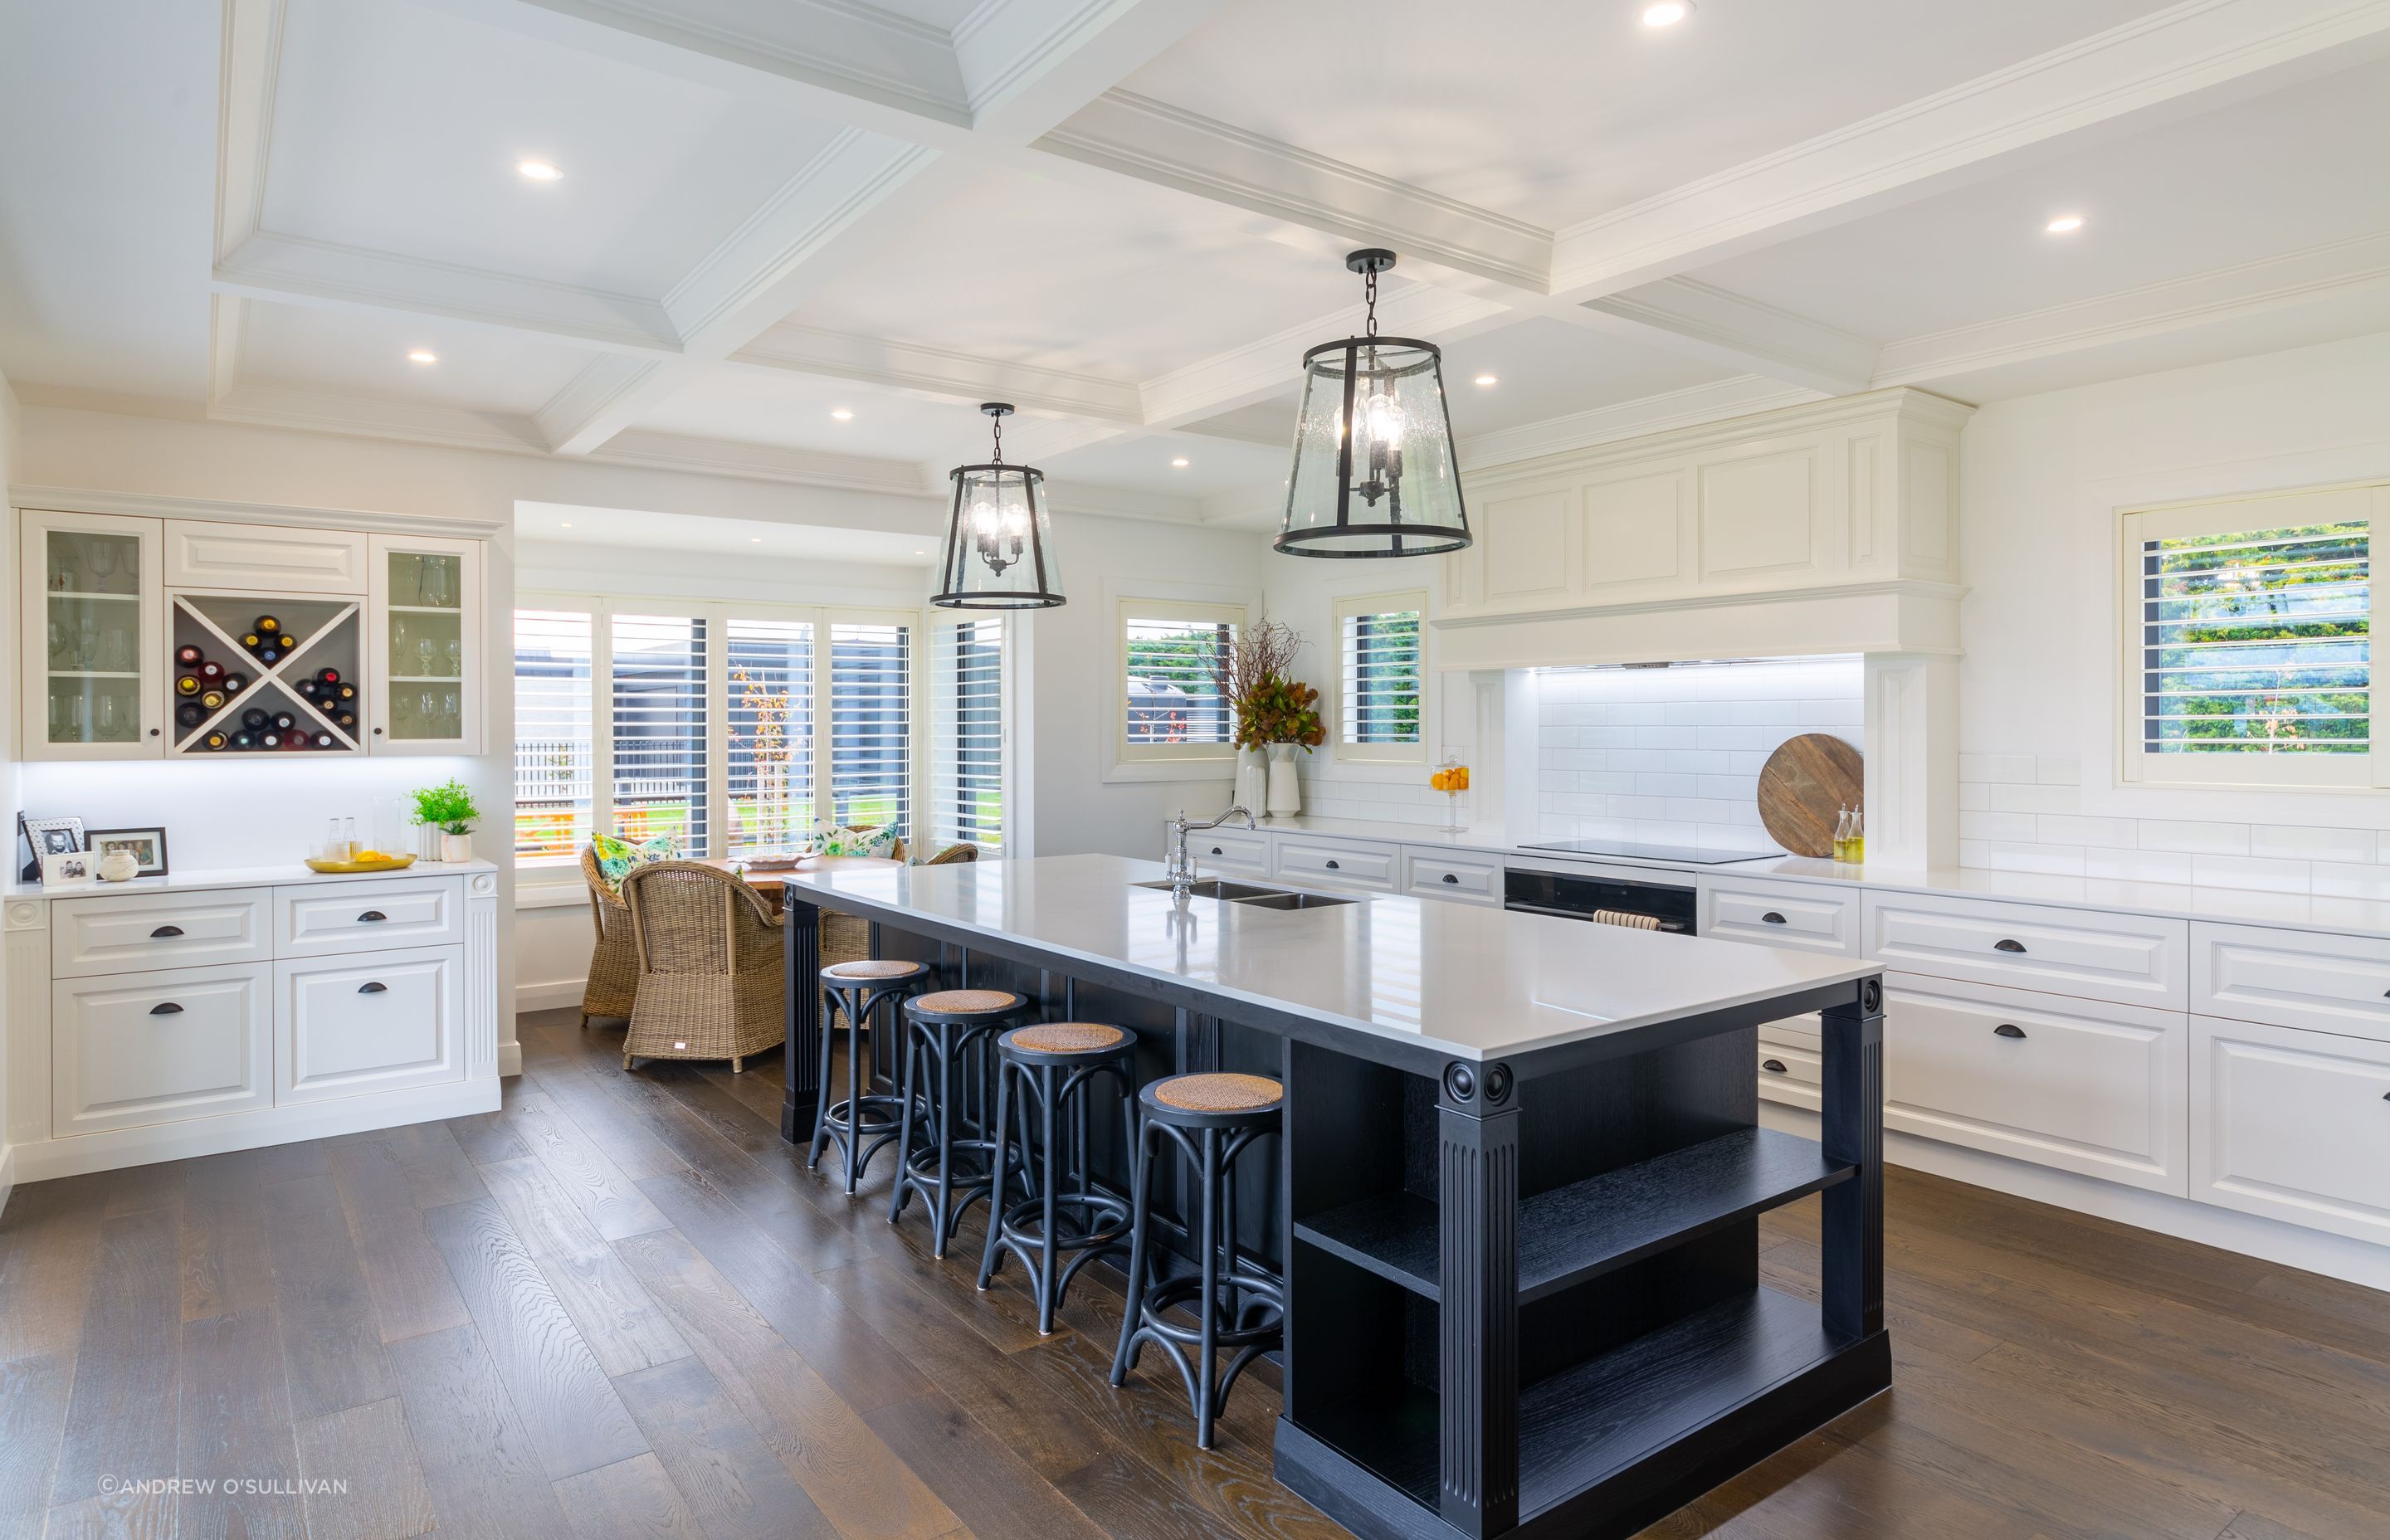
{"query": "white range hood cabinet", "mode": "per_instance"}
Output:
(1827, 528)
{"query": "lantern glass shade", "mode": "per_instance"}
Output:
(1374, 473)
(999, 543)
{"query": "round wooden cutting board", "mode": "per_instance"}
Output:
(1803, 786)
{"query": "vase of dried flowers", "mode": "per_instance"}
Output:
(1273, 710)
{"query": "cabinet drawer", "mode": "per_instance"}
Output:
(1430, 873)
(1799, 1032)
(373, 1021)
(260, 557)
(1353, 863)
(1810, 918)
(2132, 959)
(2097, 1088)
(1792, 1074)
(160, 1048)
(130, 932)
(1221, 850)
(2291, 1124)
(368, 916)
(2292, 979)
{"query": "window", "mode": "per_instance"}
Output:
(1171, 660)
(1380, 671)
(554, 773)
(966, 740)
(2249, 640)
(709, 726)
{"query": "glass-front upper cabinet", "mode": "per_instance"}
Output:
(426, 674)
(95, 660)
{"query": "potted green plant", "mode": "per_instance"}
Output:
(448, 808)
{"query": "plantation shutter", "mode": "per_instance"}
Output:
(769, 712)
(1379, 667)
(1170, 660)
(967, 765)
(660, 729)
(871, 724)
(555, 783)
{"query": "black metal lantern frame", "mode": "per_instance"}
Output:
(1003, 562)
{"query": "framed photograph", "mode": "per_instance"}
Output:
(148, 845)
(77, 869)
(46, 837)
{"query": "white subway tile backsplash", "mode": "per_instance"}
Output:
(2016, 769)
(2339, 879)
(2050, 860)
(2058, 829)
(1975, 797)
(2036, 798)
(2195, 838)
(2138, 865)
(2058, 769)
(2242, 872)
(2312, 845)
(2013, 827)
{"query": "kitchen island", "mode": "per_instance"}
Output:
(1517, 1203)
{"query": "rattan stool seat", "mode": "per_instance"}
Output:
(1218, 1093)
(874, 968)
(1066, 1037)
(966, 1001)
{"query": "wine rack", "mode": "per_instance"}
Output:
(248, 674)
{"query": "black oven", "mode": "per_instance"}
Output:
(1573, 895)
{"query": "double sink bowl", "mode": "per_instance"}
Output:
(1253, 896)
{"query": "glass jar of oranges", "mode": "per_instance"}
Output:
(1451, 777)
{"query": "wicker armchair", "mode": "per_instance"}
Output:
(615, 960)
(710, 982)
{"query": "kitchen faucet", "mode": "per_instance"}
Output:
(1177, 865)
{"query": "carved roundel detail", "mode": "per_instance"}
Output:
(24, 917)
(1497, 1084)
(1872, 995)
(1460, 1082)
(484, 883)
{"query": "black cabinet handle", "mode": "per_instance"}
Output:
(1771, 917)
(2007, 946)
(165, 1008)
(2007, 1029)
(153, 732)
(1332, 867)
(1773, 1065)
(1216, 851)
(373, 989)
(1449, 877)
(163, 931)
(372, 916)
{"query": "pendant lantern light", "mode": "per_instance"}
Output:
(999, 545)
(1374, 472)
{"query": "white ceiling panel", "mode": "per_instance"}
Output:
(792, 411)
(1550, 368)
(1555, 111)
(2277, 173)
(1126, 283)
(398, 128)
(647, 529)
(365, 353)
(1143, 463)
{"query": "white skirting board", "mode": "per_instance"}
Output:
(2268, 1239)
(564, 994)
(267, 1125)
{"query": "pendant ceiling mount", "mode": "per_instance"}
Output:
(999, 551)
(1375, 474)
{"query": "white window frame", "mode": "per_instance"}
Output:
(1164, 760)
(941, 624)
(2136, 765)
(717, 615)
(1347, 608)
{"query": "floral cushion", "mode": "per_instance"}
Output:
(616, 857)
(881, 842)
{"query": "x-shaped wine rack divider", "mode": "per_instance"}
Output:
(274, 673)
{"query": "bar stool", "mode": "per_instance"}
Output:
(946, 1031)
(1055, 1063)
(857, 989)
(1212, 1119)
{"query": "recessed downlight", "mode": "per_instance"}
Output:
(1180, 463)
(2064, 224)
(1666, 13)
(539, 171)
(754, 540)
(564, 524)
(840, 413)
(1489, 380)
(422, 355)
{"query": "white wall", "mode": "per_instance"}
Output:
(2040, 699)
(8, 791)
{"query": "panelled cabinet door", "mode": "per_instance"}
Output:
(133, 1050)
(91, 637)
(372, 1022)
(2291, 1124)
(425, 680)
(266, 558)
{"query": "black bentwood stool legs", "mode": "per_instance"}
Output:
(862, 1122)
(946, 1036)
(1048, 1072)
(1240, 1309)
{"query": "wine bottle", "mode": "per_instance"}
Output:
(186, 656)
(252, 640)
(244, 740)
(211, 698)
(344, 719)
(347, 692)
(268, 653)
(323, 741)
(287, 643)
(327, 676)
(215, 741)
(234, 683)
(268, 624)
(269, 739)
(190, 713)
(297, 741)
(210, 671)
(284, 721)
(310, 689)
(253, 719)
(188, 684)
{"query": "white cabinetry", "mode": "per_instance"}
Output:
(2135, 959)
(1431, 873)
(424, 634)
(133, 933)
(268, 559)
(90, 643)
(136, 1049)
(2291, 1124)
(372, 1022)
(1345, 863)
(1806, 919)
(1230, 852)
(2292, 978)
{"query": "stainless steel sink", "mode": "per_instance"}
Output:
(1293, 901)
(1221, 888)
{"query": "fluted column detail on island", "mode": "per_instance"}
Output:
(801, 940)
(1852, 1130)
(1477, 1117)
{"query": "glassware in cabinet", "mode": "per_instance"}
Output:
(426, 631)
(91, 676)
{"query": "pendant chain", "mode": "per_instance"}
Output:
(998, 423)
(1370, 292)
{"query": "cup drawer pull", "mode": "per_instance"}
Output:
(372, 916)
(1332, 867)
(165, 1008)
(165, 932)
(2007, 1029)
(373, 989)
(1774, 1066)
(1217, 851)
(1771, 917)
(1453, 877)
(2016, 947)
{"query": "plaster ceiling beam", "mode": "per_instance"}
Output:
(2189, 57)
(936, 374)
(1739, 333)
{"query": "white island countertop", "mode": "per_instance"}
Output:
(1471, 983)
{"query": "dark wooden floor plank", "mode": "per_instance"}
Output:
(332, 1342)
(437, 1170)
(370, 1450)
(572, 1090)
(33, 1421)
(235, 1431)
(574, 1418)
(129, 1514)
(412, 1290)
(137, 1189)
(633, 1500)
(976, 1474)
(731, 1480)
(853, 1476)
(605, 1192)
(226, 1263)
(479, 1461)
(615, 1316)
(121, 1417)
(49, 1240)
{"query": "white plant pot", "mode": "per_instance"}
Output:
(1285, 792)
(1253, 781)
(456, 847)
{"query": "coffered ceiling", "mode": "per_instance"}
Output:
(799, 240)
